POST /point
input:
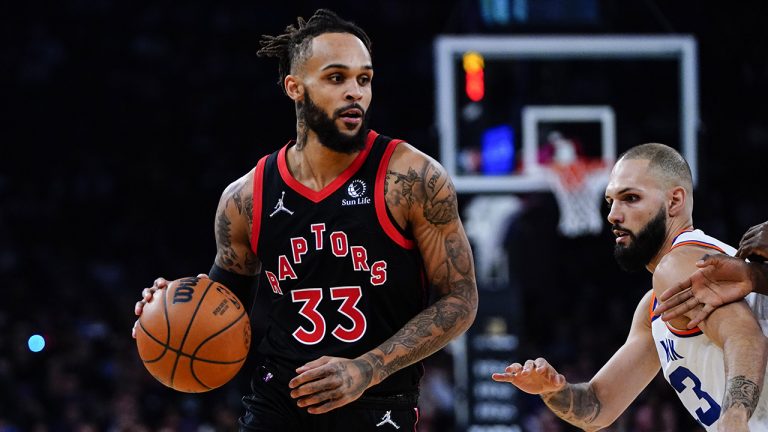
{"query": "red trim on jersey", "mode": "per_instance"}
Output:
(381, 204)
(317, 196)
(258, 188)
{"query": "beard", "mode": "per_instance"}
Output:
(644, 246)
(328, 133)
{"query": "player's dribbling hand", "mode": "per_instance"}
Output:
(330, 382)
(146, 297)
(534, 377)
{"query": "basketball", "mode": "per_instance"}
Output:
(194, 336)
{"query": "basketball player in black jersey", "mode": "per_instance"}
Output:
(348, 230)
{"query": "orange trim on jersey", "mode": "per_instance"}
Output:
(381, 204)
(697, 243)
(691, 332)
(674, 331)
(258, 188)
(317, 196)
(679, 233)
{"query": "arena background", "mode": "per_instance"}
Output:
(123, 122)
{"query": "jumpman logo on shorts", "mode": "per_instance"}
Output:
(386, 418)
(280, 207)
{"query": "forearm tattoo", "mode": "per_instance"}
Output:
(741, 392)
(576, 403)
(435, 326)
(366, 373)
(428, 190)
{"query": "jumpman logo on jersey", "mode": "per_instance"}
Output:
(386, 418)
(280, 207)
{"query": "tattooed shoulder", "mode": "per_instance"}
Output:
(234, 219)
(440, 204)
(239, 194)
(421, 184)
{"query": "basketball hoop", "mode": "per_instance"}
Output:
(579, 188)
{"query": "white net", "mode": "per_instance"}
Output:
(579, 188)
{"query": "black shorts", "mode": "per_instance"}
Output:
(272, 409)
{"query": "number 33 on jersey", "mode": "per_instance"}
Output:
(343, 276)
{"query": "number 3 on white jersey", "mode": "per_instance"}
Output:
(678, 380)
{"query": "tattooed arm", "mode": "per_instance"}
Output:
(421, 196)
(234, 218)
(732, 327)
(598, 403)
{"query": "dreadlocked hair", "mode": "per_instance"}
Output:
(293, 45)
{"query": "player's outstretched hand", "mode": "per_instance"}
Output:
(330, 382)
(720, 279)
(754, 243)
(146, 297)
(535, 377)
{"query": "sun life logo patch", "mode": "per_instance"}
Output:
(356, 190)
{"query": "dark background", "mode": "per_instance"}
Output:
(122, 122)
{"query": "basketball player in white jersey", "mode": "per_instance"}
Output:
(716, 369)
(721, 279)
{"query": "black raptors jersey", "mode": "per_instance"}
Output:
(343, 276)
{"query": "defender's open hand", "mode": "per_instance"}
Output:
(535, 377)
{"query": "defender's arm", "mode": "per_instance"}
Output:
(732, 327)
(598, 403)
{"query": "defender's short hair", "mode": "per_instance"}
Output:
(665, 160)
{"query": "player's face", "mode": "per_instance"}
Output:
(336, 81)
(326, 130)
(638, 214)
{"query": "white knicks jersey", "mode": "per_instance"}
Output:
(693, 364)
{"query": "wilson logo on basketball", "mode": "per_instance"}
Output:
(356, 190)
(191, 348)
(184, 291)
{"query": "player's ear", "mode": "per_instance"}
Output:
(294, 88)
(677, 198)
